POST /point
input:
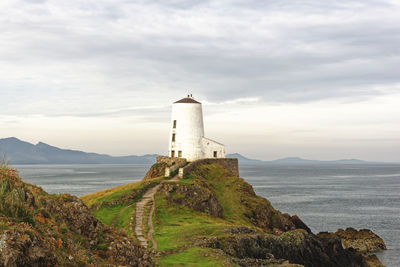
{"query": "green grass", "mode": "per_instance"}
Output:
(108, 214)
(231, 192)
(175, 226)
(225, 188)
(119, 216)
(110, 194)
(188, 179)
(123, 218)
(194, 256)
(119, 192)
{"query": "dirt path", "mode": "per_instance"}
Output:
(140, 206)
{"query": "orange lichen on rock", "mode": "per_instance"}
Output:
(59, 242)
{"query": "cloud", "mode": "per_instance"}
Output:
(131, 59)
(275, 50)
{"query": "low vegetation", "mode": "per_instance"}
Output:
(46, 230)
(208, 218)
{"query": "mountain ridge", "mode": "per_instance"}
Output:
(298, 160)
(17, 151)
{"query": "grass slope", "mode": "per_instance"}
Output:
(179, 229)
(116, 206)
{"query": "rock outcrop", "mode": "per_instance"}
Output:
(202, 194)
(156, 170)
(22, 245)
(38, 229)
(363, 240)
(333, 240)
(296, 246)
(193, 197)
(267, 237)
(222, 220)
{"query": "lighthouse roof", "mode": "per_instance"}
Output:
(187, 100)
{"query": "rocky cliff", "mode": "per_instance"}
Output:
(266, 236)
(39, 229)
(211, 217)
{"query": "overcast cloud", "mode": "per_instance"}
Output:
(100, 75)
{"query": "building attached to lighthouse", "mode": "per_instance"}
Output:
(187, 133)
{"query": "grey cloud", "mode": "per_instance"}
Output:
(224, 51)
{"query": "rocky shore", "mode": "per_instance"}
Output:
(363, 240)
(210, 217)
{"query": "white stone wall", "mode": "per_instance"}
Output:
(189, 130)
(209, 146)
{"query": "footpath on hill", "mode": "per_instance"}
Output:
(140, 208)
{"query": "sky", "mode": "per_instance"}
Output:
(313, 79)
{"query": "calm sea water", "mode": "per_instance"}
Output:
(325, 197)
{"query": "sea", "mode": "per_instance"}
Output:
(325, 197)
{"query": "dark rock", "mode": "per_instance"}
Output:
(194, 197)
(298, 223)
(25, 247)
(364, 240)
(297, 246)
(242, 230)
(156, 170)
(38, 229)
(77, 216)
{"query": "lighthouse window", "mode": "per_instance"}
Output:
(173, 137)
(172, 153)
(179, 153)
(215, 154)
(174, 126)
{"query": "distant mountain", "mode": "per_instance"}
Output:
(293, 160)
(243, 159)
(298, 161)
(20, 152)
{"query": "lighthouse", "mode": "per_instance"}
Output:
(187, 133)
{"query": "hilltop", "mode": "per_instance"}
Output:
(211, 217)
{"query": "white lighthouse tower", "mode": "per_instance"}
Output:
(187, 133)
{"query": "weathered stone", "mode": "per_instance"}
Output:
(296, 246)
(193, 197)
(364, 240)
(230, 164)
(38, 229)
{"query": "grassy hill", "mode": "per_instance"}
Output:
(210, 217)
(213, 218)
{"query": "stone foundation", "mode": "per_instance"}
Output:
(228, 163)
(170, 161)
(172, 164)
